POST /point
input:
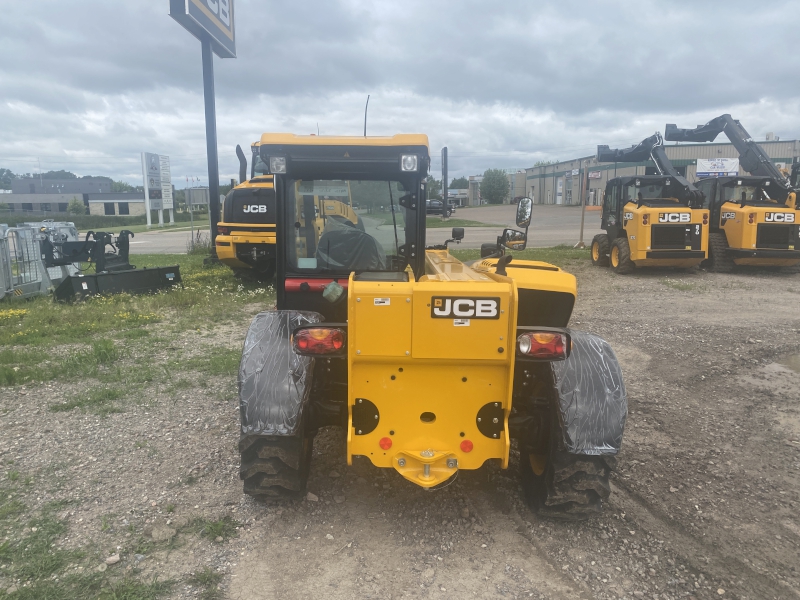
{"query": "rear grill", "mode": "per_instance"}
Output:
(668, 237)
(774, 236)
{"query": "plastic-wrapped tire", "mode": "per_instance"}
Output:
(275, 467)
(719, 260)
(600, 249)
(566, 486)
(620, 256)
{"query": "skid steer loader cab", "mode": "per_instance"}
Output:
(431, 365)
(660, 230)
(759, 219)
(246, 234)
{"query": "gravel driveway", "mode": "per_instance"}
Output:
(704, 502)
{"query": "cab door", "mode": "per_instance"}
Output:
(611, 221)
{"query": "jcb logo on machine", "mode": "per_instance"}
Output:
(448, 307)
(628, 216)
(779, 217)
(728, 215)
(674, 217)
(254, 208)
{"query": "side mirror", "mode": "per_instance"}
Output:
(514, 240)
(457, 234)
(524, 209)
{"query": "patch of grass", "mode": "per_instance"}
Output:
(170, 508)
(678, 285)
(10, 507)
(218, 361)
(13, 475)
(99, 400)
(435, 222)
(224, 528)
(33, 557)
(209, 580)
(104, 352)
(560, 256)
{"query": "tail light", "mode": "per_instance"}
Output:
(705, 218)
(543, 345)
(223, 230)
(645, 219)
(751, 218)
(319, 340)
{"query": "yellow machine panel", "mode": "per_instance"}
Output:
(681, 228)
(380, 314)
(741, 225)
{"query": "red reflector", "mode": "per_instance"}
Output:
(645, 219)
(319, 340)
(466, 446)
(751, 218)
(223, 230)
(385, 443)
(545, 345)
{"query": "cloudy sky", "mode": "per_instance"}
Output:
(87, 85)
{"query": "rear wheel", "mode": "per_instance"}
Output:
(561, 485)
(275, 467)
(719, 260)
(600, 250)
(620, 256)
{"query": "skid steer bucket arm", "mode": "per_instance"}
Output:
(751, 156)
(652, 148)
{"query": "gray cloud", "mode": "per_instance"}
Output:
(88, 85)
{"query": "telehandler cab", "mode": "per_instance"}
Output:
(246, 235)
(431, 365)
(650, 220)
(754, 220)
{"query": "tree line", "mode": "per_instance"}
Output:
(494, 187)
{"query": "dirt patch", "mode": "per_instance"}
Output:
(705, 500)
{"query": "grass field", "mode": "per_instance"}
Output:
(561, 256)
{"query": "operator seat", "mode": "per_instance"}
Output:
(343, 247)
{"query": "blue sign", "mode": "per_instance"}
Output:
(208, 20)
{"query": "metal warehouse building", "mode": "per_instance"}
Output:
(561, 182)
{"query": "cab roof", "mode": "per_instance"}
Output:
(291, 139)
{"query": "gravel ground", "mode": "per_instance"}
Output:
(704, 502)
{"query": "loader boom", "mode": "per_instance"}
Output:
(751, 155)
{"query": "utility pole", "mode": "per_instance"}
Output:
(211, 144)
(444, 182)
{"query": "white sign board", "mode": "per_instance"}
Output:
(166, 183)
(717, 167)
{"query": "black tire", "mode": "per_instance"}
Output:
(719, 259)
(564, 486)
(620, 256)
(275, 467)
(600, 249)
(264, 274)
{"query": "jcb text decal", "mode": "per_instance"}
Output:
(728, 215)
(779, 217)
(444, 307)
(674, 217)
(254, 208)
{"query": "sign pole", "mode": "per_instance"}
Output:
(211, 143)
(444, 183)
(146, 192)
(584, 194)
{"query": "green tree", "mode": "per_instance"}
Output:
(58, 175)
(494, 187)
(121, 186)
(6, 177)
(76, 207)
(434, 189)
(544, 163)
(460, 183)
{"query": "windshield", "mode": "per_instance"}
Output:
(347, 225)
(745, 193)
(634, 193)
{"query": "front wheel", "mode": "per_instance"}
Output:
(600, 250)
(620, 257)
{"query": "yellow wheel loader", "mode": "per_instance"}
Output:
(650, 220)
(430, 365)
(755, 220)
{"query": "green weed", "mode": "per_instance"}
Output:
(209, 580)
(678, 285)
(224, 528)
(99, 401)
(13, 475)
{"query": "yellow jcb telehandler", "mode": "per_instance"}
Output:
(429, 364)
